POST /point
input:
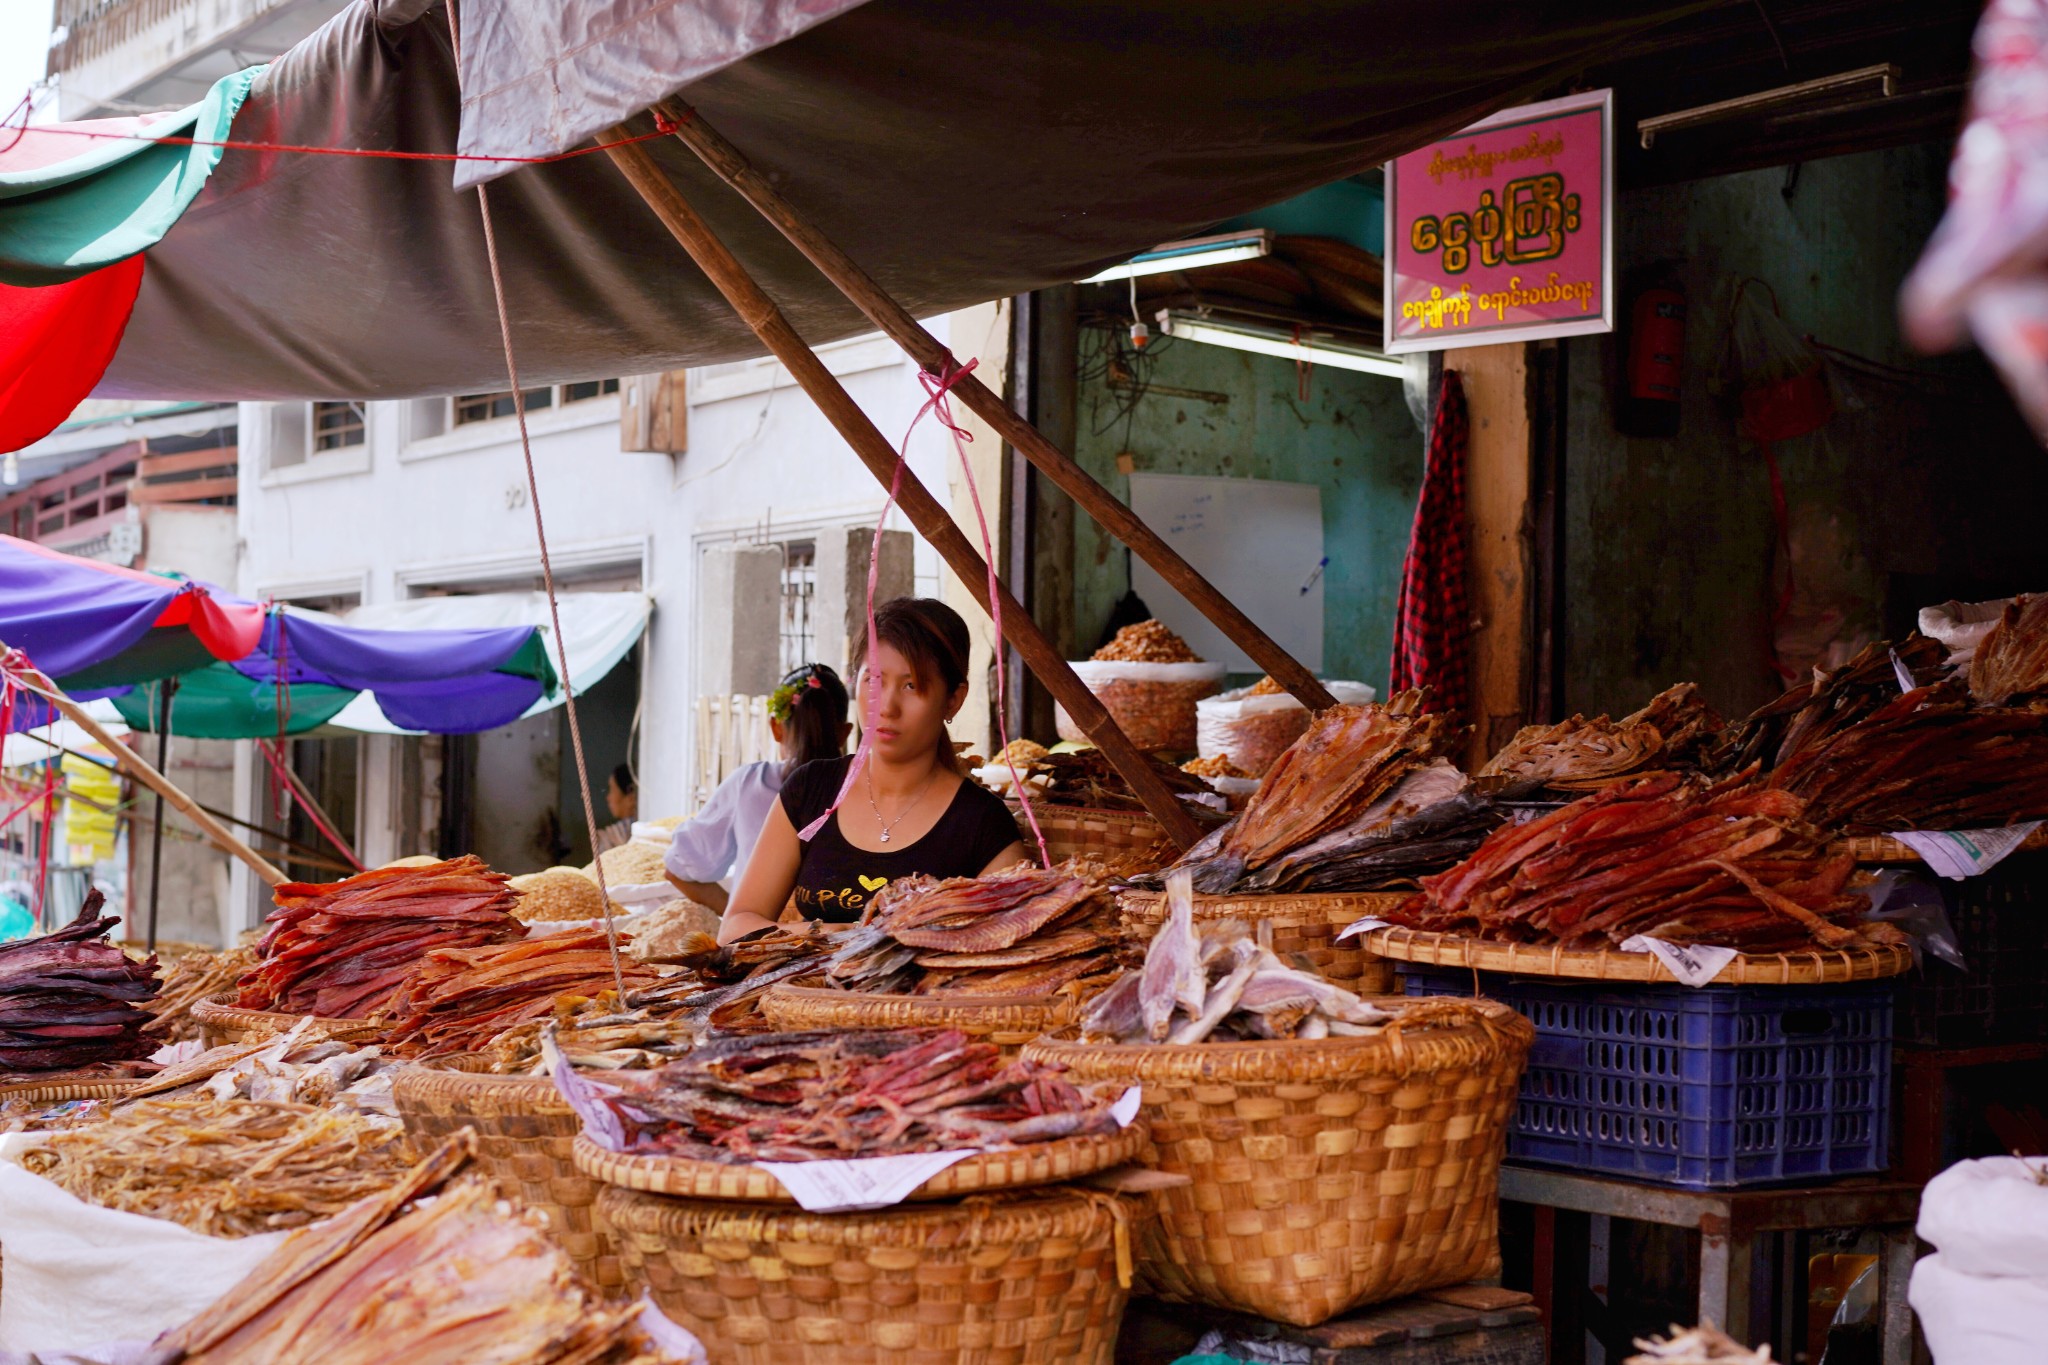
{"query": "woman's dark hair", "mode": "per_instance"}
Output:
(816, 719)
(931, 636)
(622, 778)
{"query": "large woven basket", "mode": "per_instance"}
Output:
(1303, 923)
(1010, 1168)
(1025, 1280)
(221, 1021)
(1111, 835)
(1814, 966)
(1326, 1174)
(525, 1135)
(1008, 1021)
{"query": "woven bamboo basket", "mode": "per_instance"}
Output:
(1327, 1174)
(1035, 1163)
(1808, 967)
(1008, 1021)
(1111, 835)
(525, 1131)
(1305, 924)
(222, 1022)
(1022, 1280)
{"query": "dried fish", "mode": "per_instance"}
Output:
(1431, 819)
(340, 950)
(1733, 864)
(191, 979)
(1810, 712)
(71, 999)
(453, 1280)
(1238, 990)
(1350, 757)
(458, 999)
(1702, 1345)
(2011, 662)
(227, 1168)
(814, 1095)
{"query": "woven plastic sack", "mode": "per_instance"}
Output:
(1253, 732)
(1983, 1298)
(1153, 703)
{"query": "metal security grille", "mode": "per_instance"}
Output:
(799, 595)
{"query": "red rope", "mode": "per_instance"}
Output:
(273, 753)
(663, 126)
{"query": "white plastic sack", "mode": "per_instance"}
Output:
(1961, 626)
(77, 1275)
(1253, 732)
(1979, 1319)
(1989, 1217)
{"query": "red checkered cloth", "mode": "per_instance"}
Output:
(1432, 616)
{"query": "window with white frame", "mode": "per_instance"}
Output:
(305, 433)
(799, 595)
(488, 407)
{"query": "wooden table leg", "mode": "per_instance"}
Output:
(1725, 1278)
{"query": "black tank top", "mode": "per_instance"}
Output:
(836, 879)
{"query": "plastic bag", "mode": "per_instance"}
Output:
(1990, 1217)
(1154, 703)
(1253, 732)
(78, 1275)
(1914, 902)
(1962, 626)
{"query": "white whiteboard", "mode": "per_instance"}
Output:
(1259, 541)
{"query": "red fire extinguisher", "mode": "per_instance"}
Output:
(1655, 365)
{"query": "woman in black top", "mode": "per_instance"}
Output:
(909, 810)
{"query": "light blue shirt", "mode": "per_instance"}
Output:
(719, 839)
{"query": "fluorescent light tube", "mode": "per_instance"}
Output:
(1317, 350)
(1192, 254)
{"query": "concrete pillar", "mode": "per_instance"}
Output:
(739, 614)
(839, 610)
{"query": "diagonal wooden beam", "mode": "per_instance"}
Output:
(891, 317)
(925, 512)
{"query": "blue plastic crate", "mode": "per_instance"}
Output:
(1707, 1088)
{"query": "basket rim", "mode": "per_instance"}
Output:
(215, 1009)
(1070, 814)
(1808, 967)
(1150, 906)
(1050, 1211)
(1882, 848)
(56, 1091)
(743, 1182)
(1496, 1033)
(799, 993)
(431, 1078)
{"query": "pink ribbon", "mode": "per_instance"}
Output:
(936, 388)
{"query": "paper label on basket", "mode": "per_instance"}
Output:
(1693, 963)
(1363, 926)
(874, 1182)
(1960, 853)
(1125, 1110)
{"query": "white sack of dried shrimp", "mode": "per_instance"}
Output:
(78, 1275)
(1983, 1296)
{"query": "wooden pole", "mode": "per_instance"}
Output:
(931, 519)
(156, 828)
(138, 768)
(891, 317)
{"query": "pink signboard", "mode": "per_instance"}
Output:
(1504, 232)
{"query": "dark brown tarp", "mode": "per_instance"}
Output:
(961, 151)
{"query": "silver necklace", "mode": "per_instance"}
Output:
(915, 802)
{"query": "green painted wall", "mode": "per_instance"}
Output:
(1353, 437)
(1921, 487)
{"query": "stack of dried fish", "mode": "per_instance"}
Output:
(71, 999)
(1028, 931)
(340, 950)
(721, 987)
(453, 1280)
(287, 1068)
(1578, 755)
(1810, 712)
(2011, 663)
(1329, 792)
(810, 1096)
(227, 1168)
(1086, 779)
(461, 998)
(594, 1033)
(193, 978)
(1927, 759)
(1676, 859)
(1702, 1345)
(1220, 984)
